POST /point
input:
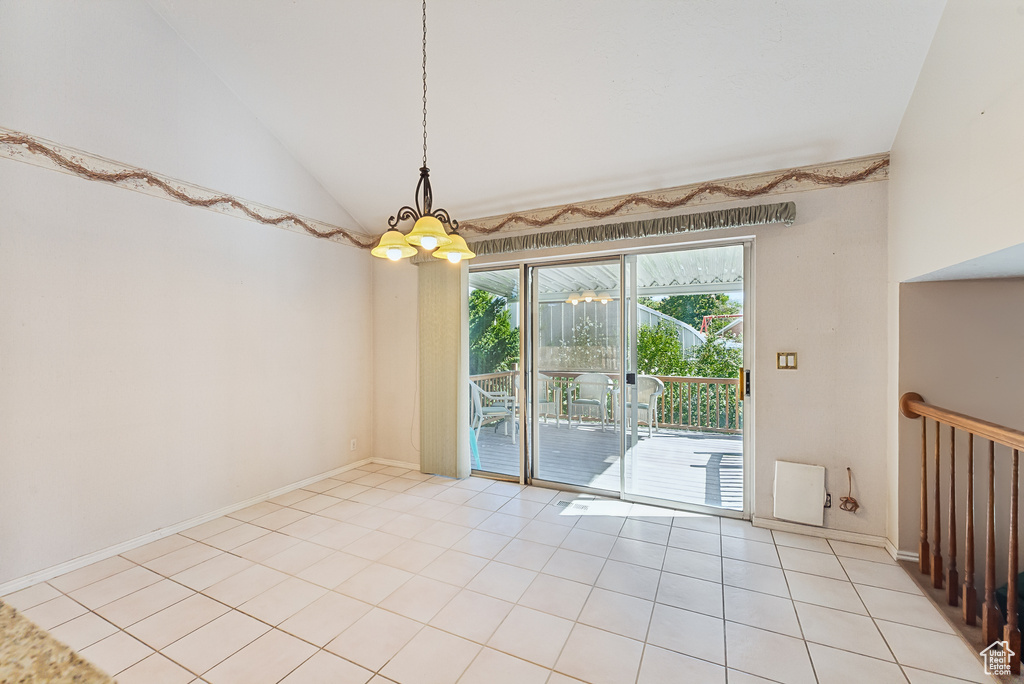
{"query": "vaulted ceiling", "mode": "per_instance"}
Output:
(540, 102)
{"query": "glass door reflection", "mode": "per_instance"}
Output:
(494, 317)
(576, 374)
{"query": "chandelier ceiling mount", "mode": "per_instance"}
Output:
(428, 230)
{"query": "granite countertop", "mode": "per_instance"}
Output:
(29, 655)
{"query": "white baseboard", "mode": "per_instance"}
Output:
(397, 464)
(900, 555)
(825, 532)
(96, 556)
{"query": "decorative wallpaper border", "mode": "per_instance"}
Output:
(834, 174)
(40, 152)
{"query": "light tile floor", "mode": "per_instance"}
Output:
(381, 574)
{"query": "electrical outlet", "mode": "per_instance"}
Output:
(352, 445)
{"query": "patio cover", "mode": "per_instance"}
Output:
(695, 271)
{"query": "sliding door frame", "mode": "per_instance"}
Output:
(532, 455)
(529, 333)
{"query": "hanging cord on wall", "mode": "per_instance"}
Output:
(848, 503)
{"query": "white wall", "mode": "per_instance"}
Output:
(956, 172)
(960, 346)
(820, 291)
(157, 362)
(957, 168)
(112, 78)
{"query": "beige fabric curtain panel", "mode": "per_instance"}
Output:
(784, 212)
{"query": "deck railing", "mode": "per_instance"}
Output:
(708, 404)
(503, 382)
(705, 404)
(930, 556)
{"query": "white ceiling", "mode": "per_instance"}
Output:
(541, 102)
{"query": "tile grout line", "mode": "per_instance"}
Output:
(796, 613)
(492, 559)
(872, 618)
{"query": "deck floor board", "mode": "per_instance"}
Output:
(674, 465)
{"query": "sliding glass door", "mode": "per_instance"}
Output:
(577, 356)
(683, 414)
(494, 353)
(633, 384)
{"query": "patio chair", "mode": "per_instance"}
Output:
(648, 390)
(489, 405)
(590, 390)
(549, 398)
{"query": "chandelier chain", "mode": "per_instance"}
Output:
(424, 82)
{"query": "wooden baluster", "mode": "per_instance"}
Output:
(937, 518)
(952, 578)
(1011, 632)
(659, 407)
(970, 594)
(700, 407)
(991, 620)
(707, 405)
(923, 557)
(689, 403)
(668, 406)
(697, 387)
(718, 407)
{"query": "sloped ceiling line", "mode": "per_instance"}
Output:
(26, 148)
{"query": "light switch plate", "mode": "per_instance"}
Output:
(786, 360)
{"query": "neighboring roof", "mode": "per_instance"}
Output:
(736, 327)
(695, 271)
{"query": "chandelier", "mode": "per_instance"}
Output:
(429, 230)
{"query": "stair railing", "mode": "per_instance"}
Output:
(930, 556)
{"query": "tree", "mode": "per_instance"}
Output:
(585, 348)
(713, 359)
(659, 351)
(692, 308)
(493, 341)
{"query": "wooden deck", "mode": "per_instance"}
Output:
(674, 465)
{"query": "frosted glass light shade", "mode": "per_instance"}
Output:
(455, 251)
(428, 227)
(390, 243)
